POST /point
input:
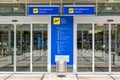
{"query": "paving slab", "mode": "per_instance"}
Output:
(55, 77)
(69, 77)
(94, 77)
(25, 77)
(115, 77)
(52, 77)
(4, 76)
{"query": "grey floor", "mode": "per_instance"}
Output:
(56, 77)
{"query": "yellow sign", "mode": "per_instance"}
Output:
(35, 10)
(56, 21)
(71, 10)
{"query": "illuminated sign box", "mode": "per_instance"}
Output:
(43, 10)
(62, 32)
(79, 10)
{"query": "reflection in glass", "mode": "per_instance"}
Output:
(108, 9)
(115, 48)
(40, 46)
(23, 47)
(84, 47)
(12, 9)
(101, 47)
(6, 47)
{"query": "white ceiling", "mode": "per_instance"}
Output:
(58, 1)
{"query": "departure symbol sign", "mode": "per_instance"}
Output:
(39, 10)
(79, 10)
(56, 21)
(35, 10)
(71, 10)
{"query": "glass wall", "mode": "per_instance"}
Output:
(101, 32)
(108, 9)
(6, 48)
(23, 47)
(102, 56)
(40, 41)
(20, 7)
(115, 48)
(101, 47)
(84, 47)
(23, 42)
(12, 9)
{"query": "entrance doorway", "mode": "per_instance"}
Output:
(84, 47)
(24, 47)
(98, 47)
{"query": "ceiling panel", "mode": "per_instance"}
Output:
(38, 1)
(85, 1)
(58, 1)
(6, 0)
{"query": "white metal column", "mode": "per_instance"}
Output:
(96, 7)
(109, 47)
(61, 6)
(31, 46)
(93, 47)
(75, 48)
(14, 47)
(49, 46)
(50, 2)
(74, 2)
(26, 8)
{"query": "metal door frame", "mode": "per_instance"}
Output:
(93, 48)
(31, 43)
(75, 48)
(48, 49)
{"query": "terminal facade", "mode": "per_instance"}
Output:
(32, 41)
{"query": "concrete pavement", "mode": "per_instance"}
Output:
(55, 77)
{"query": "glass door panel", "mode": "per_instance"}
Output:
(115, 47)
(101, 32)
(22, 47)
(6, 47)
(40, 47)
(84, 47)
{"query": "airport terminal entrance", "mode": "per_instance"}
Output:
(24, 47)
(98, 47)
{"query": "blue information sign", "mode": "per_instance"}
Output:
(79, 10)
(62, 39)
(43, 10)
